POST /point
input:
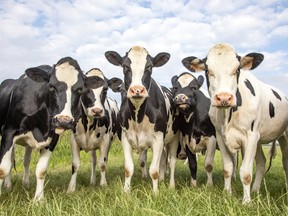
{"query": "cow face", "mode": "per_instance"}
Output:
(64, 85)
(184, 92)
(222, 66)
(94, 98)
(137, 68)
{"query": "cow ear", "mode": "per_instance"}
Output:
(194, 64)
(200, 81)
(161, 59)
(114, 58)
(251, 61)
(115, 84)
(38, 74)
(174, 79)
(94, 82)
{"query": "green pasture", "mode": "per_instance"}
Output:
(110, 200)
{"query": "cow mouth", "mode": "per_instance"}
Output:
(182, 106)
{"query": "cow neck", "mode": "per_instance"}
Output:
(137, 112)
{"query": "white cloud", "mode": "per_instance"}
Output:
(41, 32)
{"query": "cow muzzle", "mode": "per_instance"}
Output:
(181, 101)
(97, 112)
(62, 123)
(224, 100)
(137, 92)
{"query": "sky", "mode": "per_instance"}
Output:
(37, 32)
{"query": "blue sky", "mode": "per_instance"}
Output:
(39, 32)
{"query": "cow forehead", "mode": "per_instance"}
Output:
(95, 72)
(66, 73)
(222, 56)
(138, 56)
(185, 79)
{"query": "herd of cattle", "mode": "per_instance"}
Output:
(241, 114)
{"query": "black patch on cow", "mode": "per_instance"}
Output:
(230, 114)
(271, 110)
(250, 87)
(276, 95)
(239, 98)
(252, 125)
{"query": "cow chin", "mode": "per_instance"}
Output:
(59, 130)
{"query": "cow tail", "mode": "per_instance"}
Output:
(272, 155)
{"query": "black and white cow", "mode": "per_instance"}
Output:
(146, 114)
(42, 105)
(245, 112)
(97, 126)
(197, 132)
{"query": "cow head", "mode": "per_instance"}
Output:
(222, 66)
(184, 91)
(64, 85)
(94, 98)
(137, 67)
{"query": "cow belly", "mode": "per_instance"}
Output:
(29, 139)
(89, 141)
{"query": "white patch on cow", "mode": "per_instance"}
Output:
(28, 139)
(68, 74)
(185, 80)
(95, 72)
(138, 58)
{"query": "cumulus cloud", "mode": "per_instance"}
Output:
(41, 32)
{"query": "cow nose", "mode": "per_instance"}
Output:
(97, 111)
(137, 91)
(65, 122)
(180, 98)
(224, 99)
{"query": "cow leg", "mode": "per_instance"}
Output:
(75, 164)
(246, 169)
(260, 168)
(192, 161)
(157, 148)
(129, 164)
(41, 169)
(26, 162)
(173, 158)
(142, 160)
(8, 180)
(209, 160)
(283, 142)
(103, 158)
(163, 164)
(93, 166)
(227, 161)
(6, 154)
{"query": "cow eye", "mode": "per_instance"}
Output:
(80, 90)
(209, 73)
(175, 88)
(52, 88)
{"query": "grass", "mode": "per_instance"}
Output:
(111, 200)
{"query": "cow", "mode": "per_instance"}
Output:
(245, 112)
(42, 106)
(146, 113)
(197, 133)
(97, 126)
